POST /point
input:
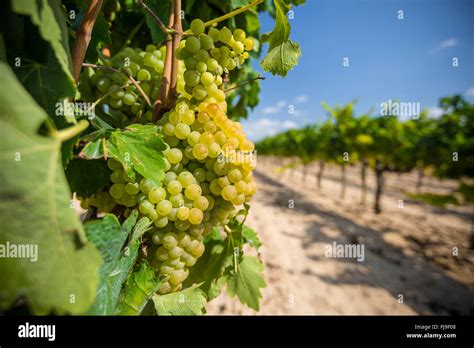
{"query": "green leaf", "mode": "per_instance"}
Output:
(282, 53)
(87, 177)
(281, 31)
(251, 237)
(247, 282)
(35, 209)
(162, 9)
(100, 37)
(3, 54)
(110, 237)
(49, 18)
(282, 58)
(139, 148)
(139, 289)
(190, 301)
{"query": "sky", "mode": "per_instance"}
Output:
(408, 59)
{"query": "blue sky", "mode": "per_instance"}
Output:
(408, 59)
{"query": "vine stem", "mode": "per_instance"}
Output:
(228, 15)
(156, 19)
(68, 133)
(161, 100)
(245, 83)
(83, 37)
(178, 27)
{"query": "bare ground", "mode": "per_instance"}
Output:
(416, 260)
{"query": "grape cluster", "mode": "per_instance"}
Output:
(124, 100)
(208, 159)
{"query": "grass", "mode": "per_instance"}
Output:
(434, 199)
(467, 191)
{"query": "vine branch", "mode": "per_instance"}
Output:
(244, 83)
(83, 37)
(178, 27)
(228, 15)
(156, 19)
(161, 100)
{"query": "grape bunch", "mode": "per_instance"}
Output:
(124, 101)
(208, 159)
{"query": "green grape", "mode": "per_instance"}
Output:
(200, 174)
(201, 67)
(186, 179)
(214, 34)
(132, 188)
(117, 190)
(188, 118)
(156, 194)
(170, 176)
(225, 35)
(183, 213)
(229, 192)
(193, 191)
(199, 92)
(161, 222)
(163, 207)
(170, 241)
(174, 187)
(239, 35)
(174, 156)
(143, 75)
(207, 78)
(182, 131)
(161, 253)
(197, 26)
(129, 99)
(202, 55)
(200, 151)
(145, 207)
(192, 44)
(206, 42)
(201, 203)
(103, 84)
(191, 77)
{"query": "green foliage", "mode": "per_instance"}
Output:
(35, 209)
(139, 148)
(109, 237)
(283, 54)
(246, 281)
(190, 301)
(434, 199)
(87, 177)
(140, 287)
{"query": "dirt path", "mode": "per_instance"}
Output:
(408, 264)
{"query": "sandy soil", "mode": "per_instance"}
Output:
(408, 266)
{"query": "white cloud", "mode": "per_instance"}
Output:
(448, 43)
(274, 109)
(259, 129)
(470, 92)
(451, 42)
(301, 99)
(435, 112)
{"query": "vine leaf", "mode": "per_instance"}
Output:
(139, 289)
(282, 58)
(139, 148)
(163, 8)
(110, 237)
(87, 177)
(246, 283)
(50, 79)
(35, 210)
(283, 54)
(190, 301)
(251, 237)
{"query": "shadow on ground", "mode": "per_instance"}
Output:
(424, 287)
